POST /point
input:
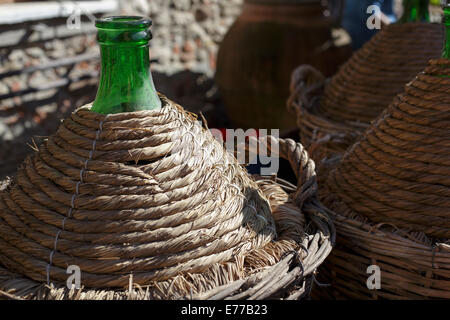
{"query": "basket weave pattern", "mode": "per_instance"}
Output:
(412, 265)
(150, 206)
(399, 172)
(107, 194)
(332, 114)
(390, 196)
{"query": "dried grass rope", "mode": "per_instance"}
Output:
(412, 265)
(399, 172)
(332, 114)
(148, 201)
(391, 191)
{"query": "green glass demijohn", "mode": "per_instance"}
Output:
(126, 83)
(415, 11)
(446, 21)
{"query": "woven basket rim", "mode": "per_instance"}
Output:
(420, 264)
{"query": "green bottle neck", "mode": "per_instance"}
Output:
(126, 83)
(415, 11)
(446, 21)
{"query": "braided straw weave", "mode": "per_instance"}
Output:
(149, 201)
(399, 172)
(412, 265)
(332, 114)
(391, 191)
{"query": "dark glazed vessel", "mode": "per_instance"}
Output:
(267, 41)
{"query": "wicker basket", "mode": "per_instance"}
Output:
(150, 206)
(412, 265)
(399, 172)
(332, 114)
(391, 192)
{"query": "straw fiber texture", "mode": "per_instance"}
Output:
(412, 265)
(332, 114)
(391, 195)
(114, 196)
(150, 206)
(399, 172)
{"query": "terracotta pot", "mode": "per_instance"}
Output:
(266, 42)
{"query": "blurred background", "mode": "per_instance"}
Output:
(49, 58)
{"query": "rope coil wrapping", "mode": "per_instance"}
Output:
(143, 210)
(154, 217)
(332, 115)
(72, 202)
(391, 198)
(399, 172)
(413, 266)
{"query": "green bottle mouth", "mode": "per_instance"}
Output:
(123, 30)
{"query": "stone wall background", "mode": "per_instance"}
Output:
(187, 34)
(186, 39)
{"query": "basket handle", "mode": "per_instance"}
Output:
(302, 165)
(305, 197)
(306, 86)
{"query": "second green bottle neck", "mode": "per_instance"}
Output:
(446, 22)
(415, 11)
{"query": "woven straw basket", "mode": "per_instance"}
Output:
(391, 191)
(331, 114)
(150, 206)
